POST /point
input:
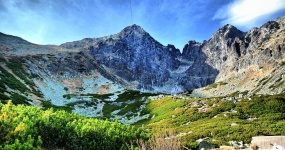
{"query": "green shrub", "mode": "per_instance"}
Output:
(27, 127)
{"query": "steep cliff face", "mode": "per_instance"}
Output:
(135, 56)
(199, 73)
(244, 60)
(140, 61)
(213, 55)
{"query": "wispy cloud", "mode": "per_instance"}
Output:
(246, 13)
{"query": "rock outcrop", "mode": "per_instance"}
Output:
(143, 63)
(245, 60)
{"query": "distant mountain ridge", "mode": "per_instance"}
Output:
(231, 60)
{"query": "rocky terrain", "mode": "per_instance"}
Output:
(77, 74)
(140, 61)
(251, 61)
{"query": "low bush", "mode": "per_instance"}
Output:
(28, 127)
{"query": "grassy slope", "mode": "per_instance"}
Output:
(19, 88)
(222, 120)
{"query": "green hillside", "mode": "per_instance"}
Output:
(216, 119)
(175, 120)
(28, 127)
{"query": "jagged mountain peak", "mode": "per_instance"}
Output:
(271, 25)
(229, 31)
(191, 47)
(132, 34)
(227, 27)
(134, 27)
(133, 30)
(192, 42)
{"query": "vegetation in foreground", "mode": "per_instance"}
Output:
(175, 121)
(28, 127)
(217, 120)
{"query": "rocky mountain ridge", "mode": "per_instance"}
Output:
(244, 60)
(134, 56)
(230, 61)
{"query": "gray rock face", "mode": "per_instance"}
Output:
(243, 59)
(134, 60)
(135, 57)
(211, 56)
(230, 49)
(199, 74)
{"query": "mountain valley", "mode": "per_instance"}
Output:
(132, 78)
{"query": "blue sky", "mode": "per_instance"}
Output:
(168, 21)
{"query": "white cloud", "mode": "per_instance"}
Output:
(247, 13)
